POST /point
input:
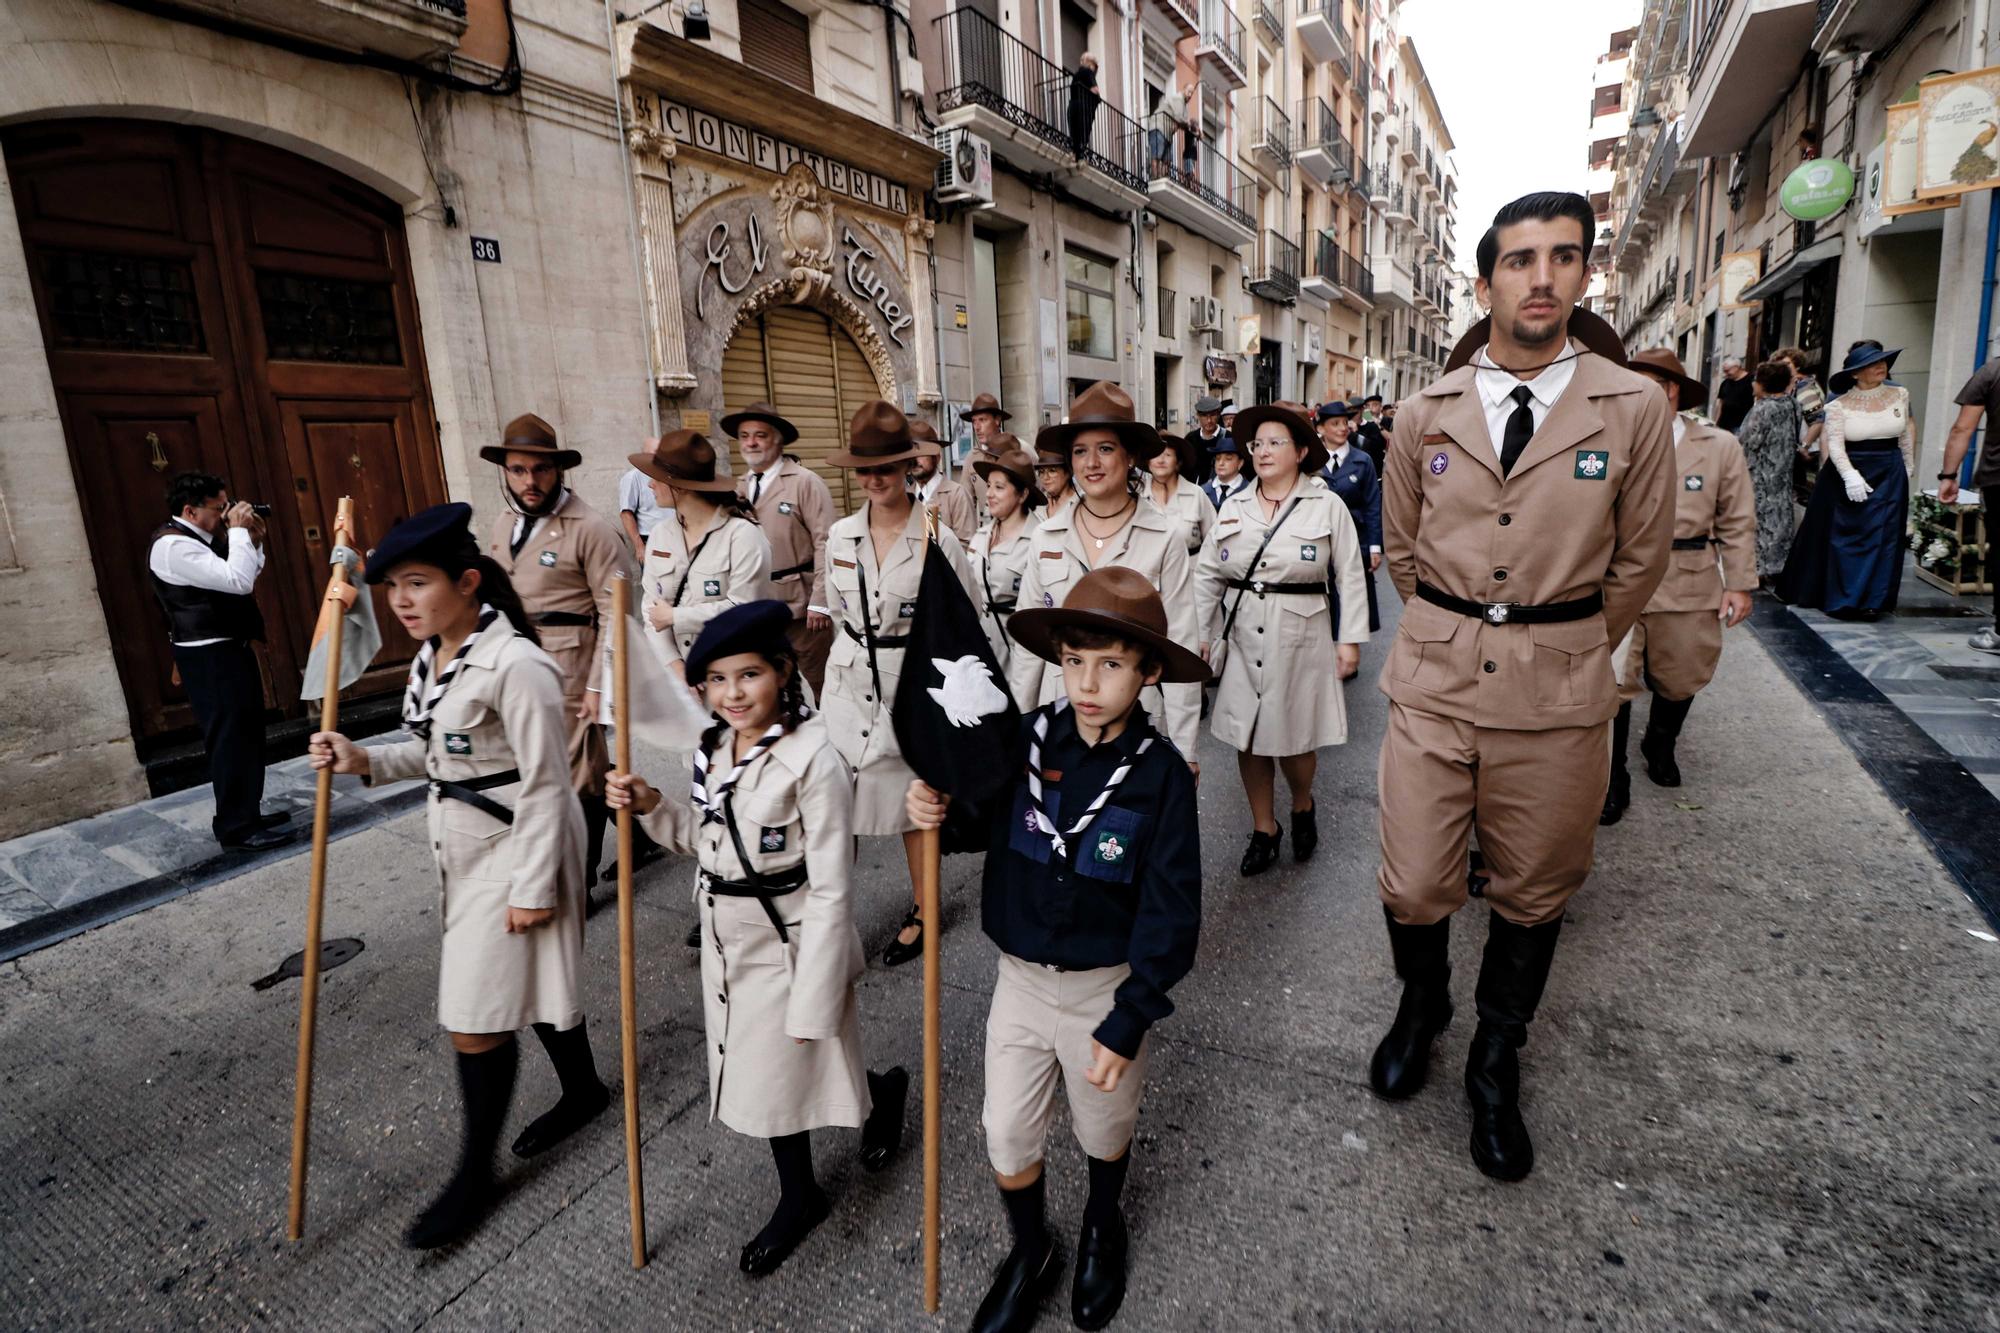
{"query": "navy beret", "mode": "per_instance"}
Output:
(432, 534)
(1224, 443)
(754, 627)
(1335, 408)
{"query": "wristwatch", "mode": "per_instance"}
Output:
(1947, 476)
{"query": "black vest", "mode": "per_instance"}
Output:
(199, 613)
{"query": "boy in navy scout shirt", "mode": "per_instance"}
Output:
(1093, 893)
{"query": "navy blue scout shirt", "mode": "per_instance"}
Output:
(1129, 891)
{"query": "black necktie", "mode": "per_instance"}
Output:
(756, 488)
(1520, 429)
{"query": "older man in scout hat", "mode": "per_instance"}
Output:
(561, 555)
(795, 509)
(1712, 572)
(1527, 512)
(986, 417)
(954, 502)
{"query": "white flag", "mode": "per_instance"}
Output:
(665, 712)
(360, 639)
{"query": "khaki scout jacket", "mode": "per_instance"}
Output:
(733, 567)
(795, 509)
(1712, 500)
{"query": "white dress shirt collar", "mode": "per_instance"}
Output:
(1495, 384)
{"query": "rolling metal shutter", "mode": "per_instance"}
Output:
(777, 40)
(813, 372)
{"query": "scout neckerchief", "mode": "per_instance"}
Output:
(711, 807)
(421, 700)
(1036, 811)
(524, 522)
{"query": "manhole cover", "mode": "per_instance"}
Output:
(332, 953)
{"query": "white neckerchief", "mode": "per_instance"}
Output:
(420, 701)
(1036, 811)
(711, 806)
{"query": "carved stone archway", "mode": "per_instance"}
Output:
(841, 310)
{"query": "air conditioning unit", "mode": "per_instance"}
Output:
(1204, 315)
(965, 176)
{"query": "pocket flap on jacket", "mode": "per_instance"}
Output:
(1575, 637)
(1429, 623)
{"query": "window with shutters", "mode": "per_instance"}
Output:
(777, 40)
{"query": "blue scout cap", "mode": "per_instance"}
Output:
(1327, 410)
(432, 534)
(1225, 443)
(754, 627)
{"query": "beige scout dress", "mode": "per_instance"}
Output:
(855, 709)
(1190, 509)
(793, 807)
(998, 571)
(1281, 692)
(503, 710)
(1151, 544)
(730, 566)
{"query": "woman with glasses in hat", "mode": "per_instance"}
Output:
(485, 707)
(1110, 523)
(1282, 554)
(874, 566)
(1000, 550)
(1172, 487)
(1053, 480)
(1847, 556)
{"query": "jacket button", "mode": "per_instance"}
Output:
(711, 900)
(864, 733)
(1499, 576)
(1489, 668)
(868, 698)
(718, 1048)
(720, 998)
(1260, 662)
(1260, 629)
(1505, 519)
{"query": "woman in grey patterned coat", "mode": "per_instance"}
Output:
(1770, 439)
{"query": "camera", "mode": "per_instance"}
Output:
(261, 511)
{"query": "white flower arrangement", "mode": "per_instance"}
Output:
(1936, 551)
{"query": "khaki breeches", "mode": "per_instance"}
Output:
(1672, 652)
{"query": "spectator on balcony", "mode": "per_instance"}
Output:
(1168, 118)
(1083, 101)
(1190, 145)
(1734, 395)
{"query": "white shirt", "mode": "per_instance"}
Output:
(1496, 389)
(1680, 429)
(928, 491)
(635, 497)
(190, 563)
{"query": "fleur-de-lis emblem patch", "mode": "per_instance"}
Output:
(1109, 850)
(772, 840)
(1691, 483)
(1439, 462)
(1592, 464)
(548, 559)
(711, 587)
(457, 742)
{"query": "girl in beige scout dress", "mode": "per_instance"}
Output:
(1001, 549)
(874, 562)
(1279, 551)
(1172, 487)
(707, 552)
(771, 827)
(1110, 523)
(491, 734)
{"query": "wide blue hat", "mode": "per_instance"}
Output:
(1843, 379)
(1328, 410)
(1225, 443)
(432, 534)
(754, 627)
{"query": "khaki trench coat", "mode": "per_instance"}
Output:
(795, 509)
(1190, 509)
(733, 567)
(1281, 692)
(793, 807)
(857, 712)
(956, 508)
(999, 572)
(503, 710)
(567, 566)
(1151, 544)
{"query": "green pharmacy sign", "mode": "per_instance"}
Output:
(1818, 189)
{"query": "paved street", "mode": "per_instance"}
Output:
(1763, 1088)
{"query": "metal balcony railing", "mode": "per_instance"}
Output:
(1221, 29)
(1357, 277)
(1313, 123)
(1323, 259)
(1277, 273)
(983, 65)
(1215, 181)
(1185, 11)
(1169, 299)
(1271, 13)
(1274, 132)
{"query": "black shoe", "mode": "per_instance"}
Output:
(565, 1118)
(1618, 795)
(1512, 973)
(882, 1135)
(1305, 841)
(694, 936)
(274, 819)
(454, 1214)
(259, 840)
(1015, 1298)
(775, 1243)
(1261, 854)
(898, 952)
(1402, 1060)
(1663, 729)
(1097, 1287)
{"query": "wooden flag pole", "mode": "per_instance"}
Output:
(628, 1002)
(928, 863)
(334, 607)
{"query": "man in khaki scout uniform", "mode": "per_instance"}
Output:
(561, 555)
(795, 509)
(934, 487)
(1526, 514)
(1674, 648)
(985, 416)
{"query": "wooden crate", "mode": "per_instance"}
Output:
(1963, 523)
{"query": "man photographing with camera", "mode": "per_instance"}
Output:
(204, 563)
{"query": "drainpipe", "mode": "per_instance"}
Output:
(634, 233)
(1980, 12)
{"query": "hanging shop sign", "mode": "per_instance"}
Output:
(1313, 345)
(1818, 189)
(1889, 183)
(1738, 269)
(1249, 335)
(1219, 370)
(1958, 133)
(753, 148)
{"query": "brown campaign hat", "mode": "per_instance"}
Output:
(1661, 363)
(985, 402)
(1050, 455)
(1184, 452)
(1588, 329)
(1104, 406)
(1113, 600)
(1296, 419)
(925, 434)
(529, 434)
(1013, 460)
(877, 434)
(764, 412)
(683, 459)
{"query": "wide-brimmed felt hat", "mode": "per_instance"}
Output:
(1207, 403)
(926, 437)
(763, 412)
(1047, 455)
(877, 434)
(753, 627)
(1292, 416)
(1016, 462)
(1588, 329)
(683, 459)
(1661, 363)
(1117, 601)
(1184, 451)
(1843, 379)
(985, 402)
(1104, 406)
(529, 434)
(430, 534)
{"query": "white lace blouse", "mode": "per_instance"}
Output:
(1881, 413)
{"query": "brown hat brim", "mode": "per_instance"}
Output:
(1588, 329)
(496, 454)
(1693, 392)
(908, 453)
(787, 432)
(645, 463)
(1301, 431)
(971, 412)
(987, 467)
(1033, 628)
(1141, 440)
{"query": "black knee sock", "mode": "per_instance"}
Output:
(1107, 1183)
(569, 1052)
(595, 814)
(1025, 1212)
(798, 1192)
(486, 1083)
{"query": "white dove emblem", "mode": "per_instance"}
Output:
(968, 692)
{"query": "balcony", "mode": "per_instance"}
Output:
(1411, 144)
(1270, 17)
(1276, 276)
(1212, 200)
(1219, 55)
(406, 29)
(1862, 25)
(1357, 282)
(1274, 134)
(1322, 275)
(1378, 186)
(1746, 57)
(1169, 307)
(1318, 138)
(1321, 30)
(1182, 14)
(1393, 280)
(1667, 175)
(1000, 88)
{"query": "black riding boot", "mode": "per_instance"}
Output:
(1663, 728)
(486, 1088)
(1619, 794)
(1423, 961)
(584, 1095)
(1511, 977)
(595, 815)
